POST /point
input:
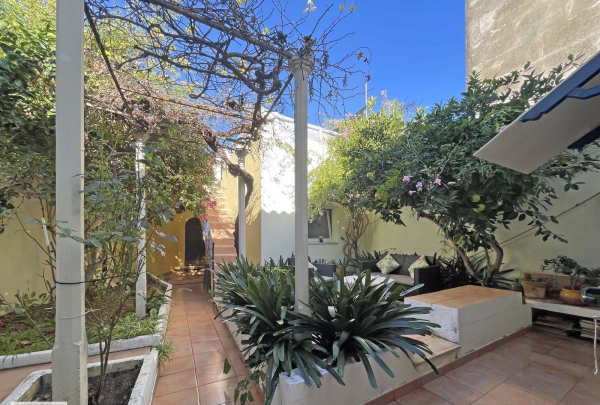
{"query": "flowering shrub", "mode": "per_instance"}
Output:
(431, 169)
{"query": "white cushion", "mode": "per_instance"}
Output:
(388, 264)
(420, 263)
(397, 278)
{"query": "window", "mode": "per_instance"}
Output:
(320, 227)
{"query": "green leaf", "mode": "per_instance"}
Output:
(226, 366)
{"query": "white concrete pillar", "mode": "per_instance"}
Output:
(301, 67)
(241, 153)
(140, 284)
(69, 355)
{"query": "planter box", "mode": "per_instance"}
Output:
(293, 391)
(45, 356)
(141, 394)
(473, 316)
(534, 289)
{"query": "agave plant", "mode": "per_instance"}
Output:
(366, 318)
(259, 301)
(364, 256)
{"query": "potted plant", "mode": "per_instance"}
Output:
(578, 275)
(534, 288)
(368, 260)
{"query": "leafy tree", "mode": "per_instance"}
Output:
(431, 169)
(333, 182)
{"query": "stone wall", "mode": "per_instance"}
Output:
(503, 35)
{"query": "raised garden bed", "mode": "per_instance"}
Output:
(158, 324)
(138, 390)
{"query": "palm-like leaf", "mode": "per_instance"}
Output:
(363, 319)
(259, 301)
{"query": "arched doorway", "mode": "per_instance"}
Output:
(195, 248)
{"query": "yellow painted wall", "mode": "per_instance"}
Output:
(229, 185)
(22, 261)
(174, 252)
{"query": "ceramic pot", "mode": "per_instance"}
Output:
(571, 297)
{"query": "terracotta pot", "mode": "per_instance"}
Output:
(571, 297)
(534, 289)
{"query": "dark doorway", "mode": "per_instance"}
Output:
(194, 243)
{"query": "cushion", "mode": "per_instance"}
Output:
(388, 264)
(418, 264)
(405, 261)
(397, 278)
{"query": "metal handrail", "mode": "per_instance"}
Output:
(210, 247)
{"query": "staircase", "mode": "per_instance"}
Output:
(222, 226)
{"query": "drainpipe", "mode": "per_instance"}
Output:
(69, 354)
(140, 284)
(300, 68)
(241, 153)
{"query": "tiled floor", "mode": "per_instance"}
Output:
(195, 374)
(535, 369)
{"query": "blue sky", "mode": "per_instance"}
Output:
(417, 46)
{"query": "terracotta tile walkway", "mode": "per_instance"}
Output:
(535, 369)
(195, 374)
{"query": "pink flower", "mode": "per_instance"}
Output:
(357, 195)
(406, 178)
(345, 132)
(503, 127)
(411, 192)
(420, 186)
(197, 178)
(343, 228)
(438, 181)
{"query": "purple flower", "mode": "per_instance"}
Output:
(438, 181)
(411, 192)
(503, 127)
(406, 178)
(420, 186)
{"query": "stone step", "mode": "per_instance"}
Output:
(219, 217)
(222, 234)
(224, 241)
(219, 258)
(444, 352)
(225, 249)
(222, 225)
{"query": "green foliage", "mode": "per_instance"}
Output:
(431, 169)
(364, 256)
(333, 182)
(155, 300)
(357, 321)
(365, 318)
(259, 301)
(27, 47)
(578, 275)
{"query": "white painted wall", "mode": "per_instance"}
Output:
(277, 191)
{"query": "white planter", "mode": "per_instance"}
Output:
(293, 391)
(141, 394)
(45, 356)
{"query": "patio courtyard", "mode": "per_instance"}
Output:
(537, 367)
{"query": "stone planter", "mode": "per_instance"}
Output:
(534, 289)
(45, 356)
(141, 394)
